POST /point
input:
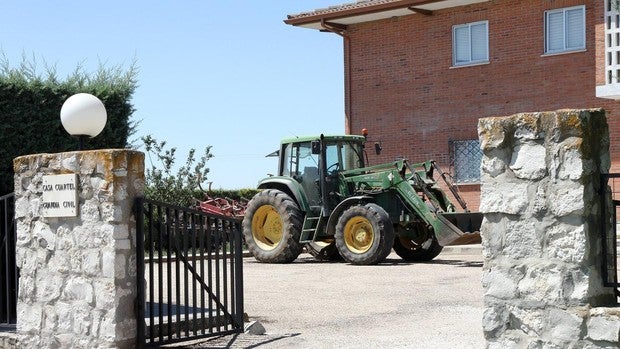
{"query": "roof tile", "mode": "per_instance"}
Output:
(339, 8)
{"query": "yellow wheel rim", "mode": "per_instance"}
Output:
(267, 227)
(358, 234)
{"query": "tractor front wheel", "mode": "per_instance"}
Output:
(272, 226)
(364, 234)
(417, 250)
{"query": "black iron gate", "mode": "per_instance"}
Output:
(8, 270)
(610, 203)
(192, 266)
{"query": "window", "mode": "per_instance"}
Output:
(565, 29)
(343, 155)
(465, 158)
(296, 158)
(470, 43)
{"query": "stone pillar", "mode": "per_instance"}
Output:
(541, 235)
(77, 283)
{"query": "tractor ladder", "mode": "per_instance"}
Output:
(312, 224)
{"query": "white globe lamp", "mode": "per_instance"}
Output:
(83, 115)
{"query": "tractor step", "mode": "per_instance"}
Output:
(310, 227)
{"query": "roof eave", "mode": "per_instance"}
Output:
(314, 20)
(356, 11)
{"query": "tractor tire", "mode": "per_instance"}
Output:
(272, 227)
(411, 251)
(323, 251)
(364, 234)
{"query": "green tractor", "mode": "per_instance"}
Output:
(326, 199)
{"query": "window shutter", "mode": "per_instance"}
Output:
(461, 44)
(555, 31)
(575, 28)
(479, 39)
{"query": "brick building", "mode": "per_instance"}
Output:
(419, 73)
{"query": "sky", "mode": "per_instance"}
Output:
(227, 74)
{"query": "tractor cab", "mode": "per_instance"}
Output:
(315, 164)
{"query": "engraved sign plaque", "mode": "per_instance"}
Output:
(59, 197)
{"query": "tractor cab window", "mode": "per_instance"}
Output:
(299, 161)
(342, 156)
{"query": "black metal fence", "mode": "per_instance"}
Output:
(193, 281)
(610, 189)
(8, 270)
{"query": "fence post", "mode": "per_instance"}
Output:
(76, 248)
(8, 271)
(139, 212)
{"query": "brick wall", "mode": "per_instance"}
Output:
(406, 93)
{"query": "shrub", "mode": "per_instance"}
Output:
(178, 188)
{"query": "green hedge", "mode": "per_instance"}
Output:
(30, 112)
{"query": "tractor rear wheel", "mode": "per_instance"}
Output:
(418, 250)
(364, 234)
(272, 226)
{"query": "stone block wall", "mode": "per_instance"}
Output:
(541, 231)
(77, 283)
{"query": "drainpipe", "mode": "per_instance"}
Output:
(347, 46)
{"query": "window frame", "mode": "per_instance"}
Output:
(471, 61)
(564, 49)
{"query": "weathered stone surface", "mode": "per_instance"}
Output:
(494, 321)
(492, 132)
(79, 289)
(44, 235)
(571, 164)
(493, 166)
(499, 285)
(30, 317)
(504, 197)
(567, 243)
(91, 262)
(604, 325)
(529, 321)
(563, 326)
(108, 264)
(541, 231)
(70, 163)
(566, 198)
(75, 288)
(528, 161)
(521, 240)
(543, 283)
(48, 286)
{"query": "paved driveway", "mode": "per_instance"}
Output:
(309, 304)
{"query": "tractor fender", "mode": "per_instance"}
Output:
(289, 186)
(342, 206)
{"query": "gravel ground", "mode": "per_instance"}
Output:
(310, 304)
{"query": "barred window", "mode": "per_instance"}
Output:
(465, 157)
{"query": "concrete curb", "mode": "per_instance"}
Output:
(463, 249)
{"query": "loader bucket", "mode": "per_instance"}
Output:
(459, 228)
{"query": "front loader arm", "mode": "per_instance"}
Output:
(406, 184)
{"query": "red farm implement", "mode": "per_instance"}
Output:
(223, 206)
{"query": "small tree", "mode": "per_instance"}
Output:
(174, 188)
